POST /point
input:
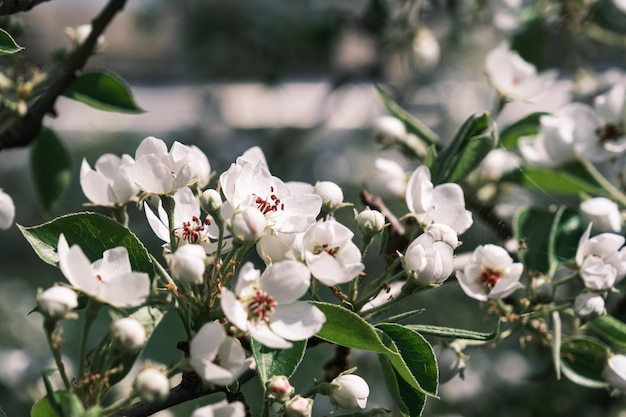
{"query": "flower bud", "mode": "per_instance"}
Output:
(56, 302)
(603, 213)
(152, 385)
(279, 389)
(428, 261)
(349, 391)
(247, 224)
(448, 361)
(331, 193)
(426, 49)
(7, 210)
(444, 233)
(298, 407)
(211, 201)
(187, 264)
(370, 222)
(388, 130)
(127, 335)
(615, 372)
(543, 291)
(588, 306)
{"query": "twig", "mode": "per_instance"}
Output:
(20, 131)
(190, 388)
(8, 7)
(397, 240)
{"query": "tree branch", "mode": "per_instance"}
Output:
(8, 7)
(190, 388)
(20, 131)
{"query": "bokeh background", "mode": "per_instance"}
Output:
(297, 78)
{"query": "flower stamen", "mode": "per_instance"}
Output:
(489, 278)
(261, 306)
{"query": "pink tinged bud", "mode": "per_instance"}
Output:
(370, 221)
(279, 388)
(152, 385)
(349, 391)
(127, 335)
(187, 264)
(615, 372)
(388, 130)
(298, 407)
(56, 302)
(247, 224)
(589, 306)
(331, 193)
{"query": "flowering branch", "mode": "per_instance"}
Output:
(20, 131)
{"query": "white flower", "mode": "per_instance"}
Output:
(554, 145)
(497, 163)
(299, 406)
(217, 358)
(247, 224)
(589, 305)
(601, 259)
(514, 78)
(387, 179)
(158, 171)
(188, 226)
(111, 182)
(331, 194)
(187, 264)
(200, 167)
(349, 391)
(370, 221)
(429, 260)
(249, 183)
(615, 372)
(267, 307)
(444, 203)
(330, 254)
(490, 273)
(56, 302)
(603, 213)
(221, 409)
(388, 130)
(110, 279)
(426, 49)
(152, 385)
(620, 4)
(7, 210)
(276, 246)
(127, 334)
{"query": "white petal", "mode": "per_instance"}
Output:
(151, 145)
(76, 267)
(471, 287)
(114, 262)
(285, 281)
(419, 190)
(7, 211)
(234, 310)
(297, 321)
(130, 290)
(158, 227)
(206, 343)
(94, 185)
(326, 269)
(264, 335)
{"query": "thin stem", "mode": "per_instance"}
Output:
(565, 280)
(120, 214)
(50, 329)
(168, 205)
(91, 312)
(613, 191)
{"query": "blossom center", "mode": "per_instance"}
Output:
(270, 204)
(261, 306)
(490, 277)
(192, 231)
(609, 132)
(319, 248)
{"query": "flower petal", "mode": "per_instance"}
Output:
(297, 321)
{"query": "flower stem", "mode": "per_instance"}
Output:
(120, 214)
(613, 191)
(168, 205)
(91, 312)
(50, 329)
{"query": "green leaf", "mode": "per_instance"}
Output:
(103, 90)
(8, 44)
(473, 141)
(550, 237)
(275, 362)
(527, 126)
(583, 360)
(415, 361)
(441, 331)
(149, 317)
(43, 408)
(93, 232)
(610, 328)
(572, 178)
(51, 167)
(412, 124)
(362, 335)
(410, 402)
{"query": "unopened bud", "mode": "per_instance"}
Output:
(56, 302)
(331, 193)
(299, 407)
(152, 385)
(187, 264)
(589, 306)
(127, 335)
(370, 222)
(247, 224)
(211, 201)
(388, 130)
(543, 290)
(279, 389)
(349, 391)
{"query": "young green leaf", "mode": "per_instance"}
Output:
(473, 141)
(610, 328)
(275, 362)
(415, 361)
(103, 90)
(93, 232)
(441, 331)
(526, 126)
(43, 408)
(410, 402)
(362, 335)
(8, 44)
(568, 179)
(51, 167)
(583, 360)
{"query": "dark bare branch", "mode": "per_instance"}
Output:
(8, 7)
(20, 131)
